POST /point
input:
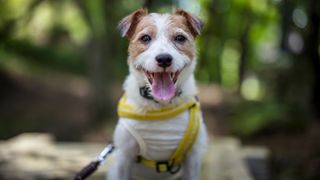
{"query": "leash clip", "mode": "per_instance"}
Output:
(93, 166)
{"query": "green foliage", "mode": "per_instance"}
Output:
(55, 58)
(245, 49)
(251, 117)
(230, 21)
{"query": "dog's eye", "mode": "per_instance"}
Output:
(180, 38)
(145, 38)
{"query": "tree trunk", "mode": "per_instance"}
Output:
(100, 58)
(244, 52)
(312, 52)
(285, 11)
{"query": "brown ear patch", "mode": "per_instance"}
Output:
(194, 23)
(128, 24)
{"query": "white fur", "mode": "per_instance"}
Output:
(127, 147)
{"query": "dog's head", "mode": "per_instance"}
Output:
(161, 49)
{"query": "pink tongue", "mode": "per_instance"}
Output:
(162, 88)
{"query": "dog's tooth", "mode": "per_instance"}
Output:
(176, 74)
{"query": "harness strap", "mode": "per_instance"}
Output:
(173, 164)
(175, 160)
(126, 110)
(136, 135)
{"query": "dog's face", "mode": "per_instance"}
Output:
(161, 49)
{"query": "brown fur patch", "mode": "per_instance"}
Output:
(145, 26)
(179, 22)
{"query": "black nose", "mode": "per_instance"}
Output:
(164, 60)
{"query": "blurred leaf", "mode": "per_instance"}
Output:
(250, 118)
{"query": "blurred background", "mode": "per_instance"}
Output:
(62, 64)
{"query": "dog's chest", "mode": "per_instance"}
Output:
(158, 139)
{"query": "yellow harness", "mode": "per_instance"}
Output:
(126, 110)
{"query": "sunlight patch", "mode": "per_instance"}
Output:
(251, 89)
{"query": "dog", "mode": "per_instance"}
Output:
(160, 133)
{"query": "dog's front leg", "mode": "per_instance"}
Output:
(192, 166)
(125, 154)
(121, 169)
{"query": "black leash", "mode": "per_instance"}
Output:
(93, 166)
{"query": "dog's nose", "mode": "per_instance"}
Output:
(164, 60)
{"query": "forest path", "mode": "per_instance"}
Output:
(32, 156)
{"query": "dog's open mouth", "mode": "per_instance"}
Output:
(163, 86)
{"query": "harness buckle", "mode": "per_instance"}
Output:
(162, 166)
(165, 166)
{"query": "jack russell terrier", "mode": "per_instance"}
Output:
(160, 133)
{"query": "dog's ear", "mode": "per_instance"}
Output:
(128, 24)
(194, 23)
